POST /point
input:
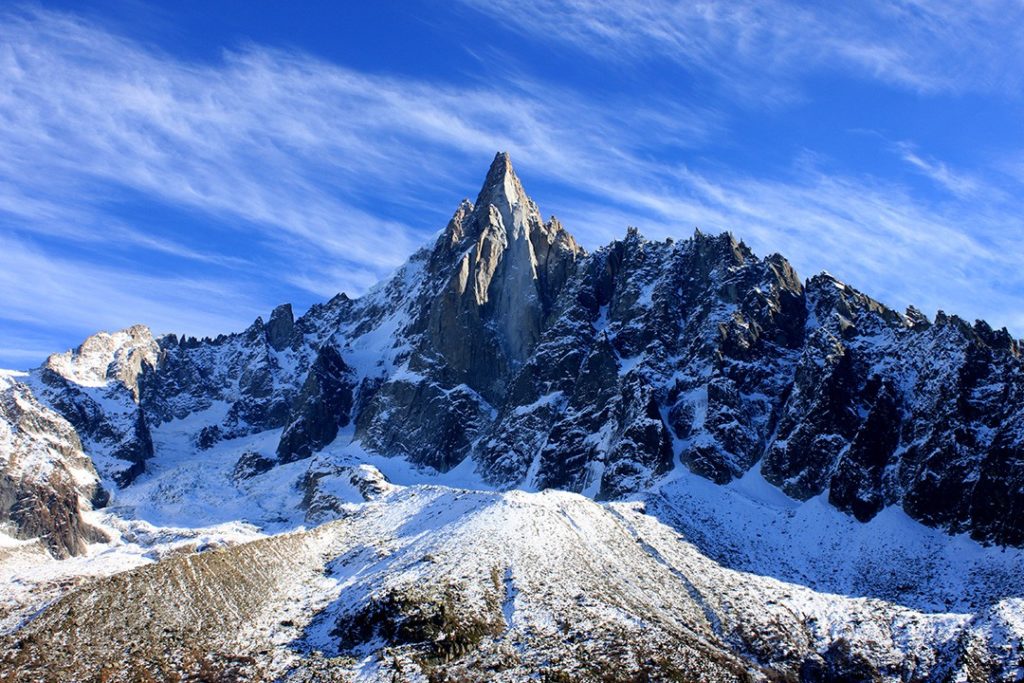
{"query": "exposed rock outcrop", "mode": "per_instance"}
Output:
(488, 289)
(46, 481)
(280, 327)
(97, 388)
(321, 408)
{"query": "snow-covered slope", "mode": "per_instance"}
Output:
(469, 585)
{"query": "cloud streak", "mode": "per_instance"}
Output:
(959, 184)
(85, 296)
(274, 147)
(760, 48)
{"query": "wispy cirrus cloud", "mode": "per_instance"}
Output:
(290, 146)
(78, 295)
(759, 47)
(959, 184)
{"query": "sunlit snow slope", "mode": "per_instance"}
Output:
(493, 586)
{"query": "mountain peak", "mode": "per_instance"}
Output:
(502, 188)
(107, 356)
(501, 167)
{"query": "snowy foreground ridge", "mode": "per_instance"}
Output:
(514, 460)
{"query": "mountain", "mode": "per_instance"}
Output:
(547, 367)
(785, 428)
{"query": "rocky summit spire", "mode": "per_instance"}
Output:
(500, 171)
(501, 186)
(509, 266)
(503, 200)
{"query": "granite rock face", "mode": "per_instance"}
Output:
(280, 328)
(660, 351)
(506, 344)
(484, 296)
(501, 269)
(321, 408)
(887, 409)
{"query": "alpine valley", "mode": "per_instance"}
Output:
(516, 460)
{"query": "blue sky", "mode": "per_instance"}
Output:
(191, 168)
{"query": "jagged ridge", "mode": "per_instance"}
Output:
(506, 343)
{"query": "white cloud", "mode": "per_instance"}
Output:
(959, 184)
(46, 291)
(753, 46)
(276, 140)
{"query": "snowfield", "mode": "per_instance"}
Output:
(518, 582)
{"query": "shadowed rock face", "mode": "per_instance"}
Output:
(321, 408)
(505, 343)
(280, 327)
(652, 351)
(489, 287)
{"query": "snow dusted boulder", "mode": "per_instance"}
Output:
(330, 490)
(251, 464)
(46, 481)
